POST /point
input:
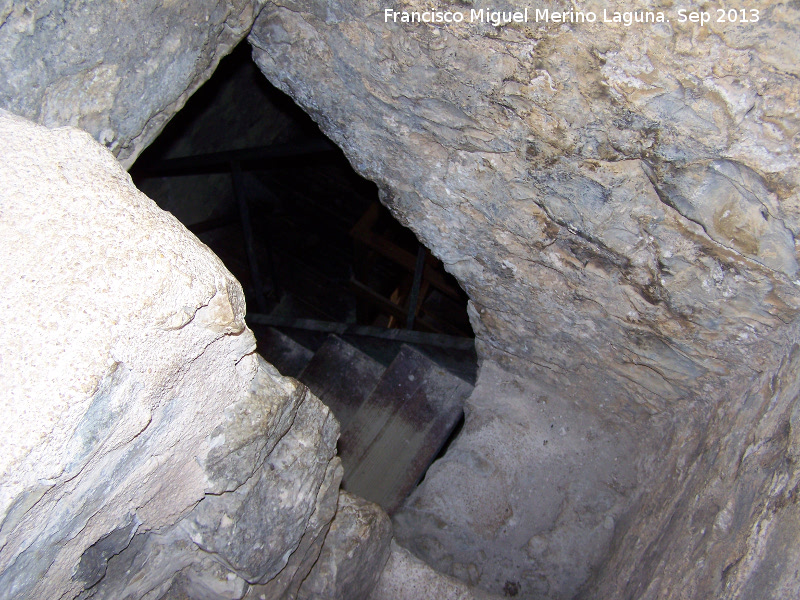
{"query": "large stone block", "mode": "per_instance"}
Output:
(354, 553)
(272, 483)
(622, 204)
(617, 201)
(145, 448)
(118, 70)
(406, 577)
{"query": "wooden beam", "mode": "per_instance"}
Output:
(220, 161)
(407, 260)
(400, 335)
(389, 307)
(212, 224)
(414, 296)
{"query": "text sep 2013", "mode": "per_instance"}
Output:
(626, 18)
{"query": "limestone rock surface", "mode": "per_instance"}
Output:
(526, 498)
(615, 200)
(118, 70)
(273, 484)
(354, 553)
(408, 578)
(622, 204)
(145, 450)
(218, 127)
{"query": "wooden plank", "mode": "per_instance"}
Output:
(414, 295)
(212, 224)
(397, 384)
(383, 303)
(218, 161)
(249, 242)
(433, 322)
(401, 335)
(388, 307)
(363, 232)
(367, 221)
(400, 429)
(342, 377)
(405, 259)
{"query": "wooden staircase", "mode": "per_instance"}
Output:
(394, 419)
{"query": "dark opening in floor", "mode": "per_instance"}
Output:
(339, 294)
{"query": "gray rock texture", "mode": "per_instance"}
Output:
(354, 553)
(232, 119)
(118, 70)
(600, 236)
(527, 497)
(621, 204)
(147, 451)
(408, 578)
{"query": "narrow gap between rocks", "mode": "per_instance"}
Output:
(339, 294)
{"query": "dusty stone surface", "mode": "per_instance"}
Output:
(354, 553)
(405, 577)
(145, 450)
(621, 204)
(118, 70)
(526, 498)
(727, 522)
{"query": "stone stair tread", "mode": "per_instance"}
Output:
(342, 376)
(285, 354)
(400, 428)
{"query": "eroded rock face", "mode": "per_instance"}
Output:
(406, 577)
(118, 70)
(272, 487)
(621, 204)
(527, 498)
(354, 553)
(146, 450)
(600, 236)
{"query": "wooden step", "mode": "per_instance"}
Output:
(289, 357)
(342, 376)
(398, 431)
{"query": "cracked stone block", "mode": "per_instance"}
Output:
(353, 556)
(147, 451)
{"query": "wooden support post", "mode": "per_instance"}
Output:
(360, 274)
(413, 298)
(244, 214)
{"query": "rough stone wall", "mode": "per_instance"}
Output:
(354, 553)
(406, 577)
(145, 450)
(618, 205)
(527, 498)
(621, 204)
(118, 70)
(721, 517)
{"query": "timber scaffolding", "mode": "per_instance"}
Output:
(403, 307)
